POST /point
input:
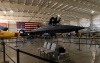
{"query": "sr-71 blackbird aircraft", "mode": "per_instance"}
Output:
(55, 27)
(4, 34)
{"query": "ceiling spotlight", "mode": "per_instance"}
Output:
(11, 11)
(49, 2)
(4, 12)
(58, 15)
(92, 11)
(44, 22)
(28, 34)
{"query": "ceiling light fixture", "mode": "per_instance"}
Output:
(64, 7)
(39, 2)
(54, 4)
(44, 22)
(58, 15)
(69, 7)
(11, 11)
(92, 11)
(59, 6)
(4, 12)
(49, 2)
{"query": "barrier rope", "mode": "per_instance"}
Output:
(44, 59)
(38, 57)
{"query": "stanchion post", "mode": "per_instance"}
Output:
(4, 58)
(18, 58)
(79, 44)
(3, 45)
(16, 43)
(4, 53)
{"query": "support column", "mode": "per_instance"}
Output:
(8, 25)
(91, 23)
(78, 22)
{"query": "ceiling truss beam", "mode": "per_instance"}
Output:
(36, 8)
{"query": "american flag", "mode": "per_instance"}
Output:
(27, 26)
(3, 24)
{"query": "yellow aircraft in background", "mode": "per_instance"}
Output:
(4, 34)
(8, 35)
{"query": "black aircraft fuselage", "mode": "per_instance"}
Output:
(57, 29)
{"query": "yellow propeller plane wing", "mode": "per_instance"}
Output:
(4, 34)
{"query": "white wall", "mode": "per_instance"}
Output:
(96, 22)
(84, 22)
(12, 26)
(65, 22)
(74, 23)
(4, 22)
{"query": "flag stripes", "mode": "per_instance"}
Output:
(27, 26)
(3, 24)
